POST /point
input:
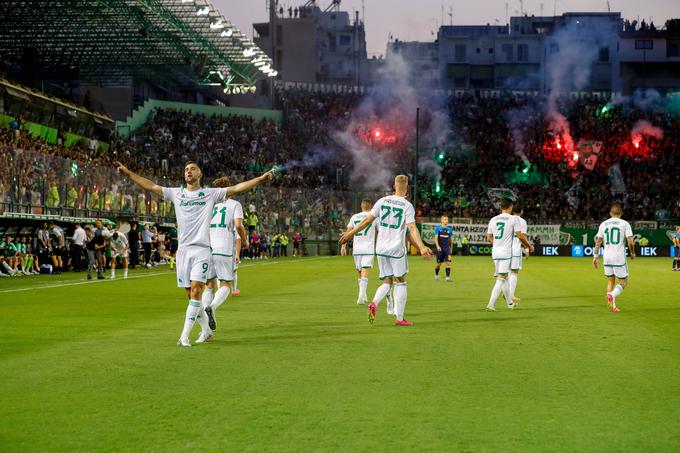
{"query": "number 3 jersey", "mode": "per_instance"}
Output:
(364, 240)
(614, 233)
(222, 228)
(393, 214)
(503, 228)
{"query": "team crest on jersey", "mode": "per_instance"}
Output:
(201, 194)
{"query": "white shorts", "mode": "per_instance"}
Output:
(116, 254)
(363, 262)
(222, 267)
(501, 266)
(516, 262)
(193, 264)
(392, 267)
(616, 271)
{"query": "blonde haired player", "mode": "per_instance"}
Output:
(363, 250)
(612, 233)
(395, 215)
(193, 209)
(227, 219)
(501, 233)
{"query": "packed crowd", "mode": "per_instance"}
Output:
(504, 142)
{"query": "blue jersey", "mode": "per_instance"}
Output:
(444, 233)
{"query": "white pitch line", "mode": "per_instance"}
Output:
(60, 285)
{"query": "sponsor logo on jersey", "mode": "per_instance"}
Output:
(192, 203)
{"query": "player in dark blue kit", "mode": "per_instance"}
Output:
(443, 238)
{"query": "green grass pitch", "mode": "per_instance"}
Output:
(295, 366)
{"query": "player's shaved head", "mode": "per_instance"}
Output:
(401, 184)
(506, 203)
(517, 209)
(224, 181)
(616, 210)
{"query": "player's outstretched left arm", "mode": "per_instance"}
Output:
(425, 251)
(596, 251)
(349, 234)
(245, 186)
(631, 247)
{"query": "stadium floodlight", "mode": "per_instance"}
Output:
(249, 52)
(203, 11)
(217, 25)
(188, 1)
(226, 33)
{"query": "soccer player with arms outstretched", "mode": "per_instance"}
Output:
(396, 215)
(193, 209)
(364, 247)
(517, 252)
(227, 218)
(443, 239)
(612, 233)
(501, 232)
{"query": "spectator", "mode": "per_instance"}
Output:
(78, 247)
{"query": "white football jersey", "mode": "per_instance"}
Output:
(223, 228)
(364, 240)
(503, 228)
(194, 211)
(614, 233)
(393, 214)
(516, 243)
(120, 244)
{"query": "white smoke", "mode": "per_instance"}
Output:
(645, 128)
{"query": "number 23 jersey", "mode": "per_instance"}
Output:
(393, 214)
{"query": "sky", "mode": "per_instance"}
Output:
(418, 20)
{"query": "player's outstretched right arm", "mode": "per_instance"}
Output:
(414, 234)
(140, 180)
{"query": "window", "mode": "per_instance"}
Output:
(507, 49)
(460, 53)
(603, 54)
(490, 50)
(644, 44)
(522, 52)
(478, 50)
(459, 82)
(554, 47)
(345, 40)
(673, 48)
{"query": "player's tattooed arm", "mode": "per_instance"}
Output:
(631, 247)
(140, 180)
(347, 235)
(525, 242)
(245, 186)
(343, 247)
(596, 251)
(414, 234)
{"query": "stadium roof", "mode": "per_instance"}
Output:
(105, 39)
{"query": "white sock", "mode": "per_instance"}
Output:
(381, 292)
(202, 319)
(400, 299)
(495, 292)
(618, 289)
(192, 312)
(512, 280)
(220, 296)
(125, 272)
(207, 297)
(235, 282)
(505, 287)
(363, 285)
(113, 273)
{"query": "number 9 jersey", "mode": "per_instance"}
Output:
(393, 214)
